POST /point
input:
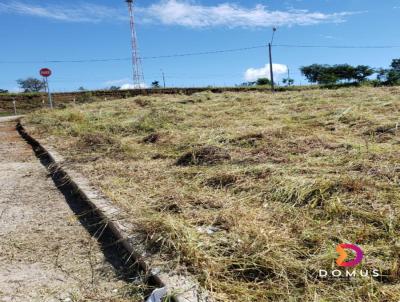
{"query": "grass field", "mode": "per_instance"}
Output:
(5, 114)
(251, 191)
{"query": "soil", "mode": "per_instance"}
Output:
(45, 252)
(152, 138)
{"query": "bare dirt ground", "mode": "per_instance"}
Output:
(45, 252)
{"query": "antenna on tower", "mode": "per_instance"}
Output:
(138, 77)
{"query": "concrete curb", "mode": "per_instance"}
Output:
(11, 118)
(181, 287)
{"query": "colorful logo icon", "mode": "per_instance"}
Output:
(341, 249)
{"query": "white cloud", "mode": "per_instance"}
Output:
(329, 37)
(131, 86)
(85, 12)
(174, 12)
(190, 14)
(117, 82)
(253, 74)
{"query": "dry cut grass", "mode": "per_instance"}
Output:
(251, 191)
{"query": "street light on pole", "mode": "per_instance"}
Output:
(270, 60)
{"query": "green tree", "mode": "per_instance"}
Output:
(362, 72)
(247, 84)
(114, 88)
(390, 76)
(31, 85)
(288, 81)
(327, 74)
(343, 72)
(263, 81)
(328, 77)
(311, 72)
(321, 74)
(395, 65)
(393, 77)
(155, 84)
(381, 74)
(3, 91)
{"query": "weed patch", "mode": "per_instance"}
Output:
(208, 155)
(98, 142)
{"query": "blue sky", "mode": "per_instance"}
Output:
(34, 31)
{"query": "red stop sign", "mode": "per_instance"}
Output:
(45, 72)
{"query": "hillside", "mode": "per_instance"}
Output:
(252, 191)
(28, 102)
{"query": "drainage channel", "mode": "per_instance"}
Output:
(128, 269)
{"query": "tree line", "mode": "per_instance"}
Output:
(321, 74)
(345, 73)
(324, 74)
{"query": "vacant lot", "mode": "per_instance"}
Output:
(251, 191)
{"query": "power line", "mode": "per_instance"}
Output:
(189, 54)
(337, 46)
(205, 52)
(143, 58)
(66, 61)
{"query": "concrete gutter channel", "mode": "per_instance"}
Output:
(177, 287)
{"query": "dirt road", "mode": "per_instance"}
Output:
(46, 254)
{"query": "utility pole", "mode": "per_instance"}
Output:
(288, 76)
(271, 71)
(163, 77)
(271, 67)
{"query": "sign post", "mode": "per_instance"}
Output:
(46, 73)
(15, 107)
